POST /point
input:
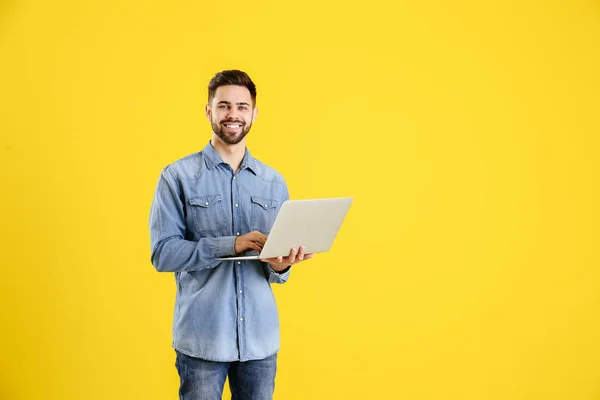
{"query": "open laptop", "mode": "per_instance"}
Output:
(313, 224)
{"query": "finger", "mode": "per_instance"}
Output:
(309, 256)
(301, 253)
(279, 259)
(256, 237)
(292, 257)
(254, 246)
(259, 236)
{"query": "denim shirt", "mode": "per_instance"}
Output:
(224, 310)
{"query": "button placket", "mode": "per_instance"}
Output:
(233, 199)
(239, 278)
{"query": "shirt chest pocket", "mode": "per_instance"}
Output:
(263, 213)
(208, 213)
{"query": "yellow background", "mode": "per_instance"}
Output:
(467, 132)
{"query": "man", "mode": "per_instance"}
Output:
(216, 203)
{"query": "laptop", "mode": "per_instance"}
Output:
(313, 224)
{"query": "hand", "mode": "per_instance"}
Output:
(281, 263)
(254, 240)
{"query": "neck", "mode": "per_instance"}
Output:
(232, 154)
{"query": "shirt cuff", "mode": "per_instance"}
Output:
(225, 246)
(285, 271)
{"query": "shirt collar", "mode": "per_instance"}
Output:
(212, 158)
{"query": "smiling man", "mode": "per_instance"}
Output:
(215, 203)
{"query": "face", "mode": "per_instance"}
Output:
(231, 113)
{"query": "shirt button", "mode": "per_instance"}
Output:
(236, 204)
(241, 319)
(239, 262)
(240, 291)
(237, 233)
(265, 206)
(206, 203)
(234, 178)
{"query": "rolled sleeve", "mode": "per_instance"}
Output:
(277, 277)
(170, 251)
(225, 246)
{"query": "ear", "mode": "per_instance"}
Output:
(254, 114)
(208, 112)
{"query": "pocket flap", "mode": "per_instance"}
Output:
(206, 201)
(264, 202)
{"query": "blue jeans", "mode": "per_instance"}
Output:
(204, 380)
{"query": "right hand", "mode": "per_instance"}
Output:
(254, 240)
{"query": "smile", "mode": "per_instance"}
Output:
(232, 126)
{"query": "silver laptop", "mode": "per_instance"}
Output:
(313, 224)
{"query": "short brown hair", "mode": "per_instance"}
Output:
(231, 77)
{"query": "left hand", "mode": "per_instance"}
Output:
(296, 256)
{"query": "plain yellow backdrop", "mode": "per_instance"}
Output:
(467, 132)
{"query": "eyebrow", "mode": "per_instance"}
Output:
(239, 104)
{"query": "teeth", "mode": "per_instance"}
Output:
(232, 126)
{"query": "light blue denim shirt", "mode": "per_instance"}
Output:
(224, 310)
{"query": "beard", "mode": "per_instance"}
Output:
(229, 137)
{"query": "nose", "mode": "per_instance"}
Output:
(232, 114)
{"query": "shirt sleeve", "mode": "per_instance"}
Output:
(170, 251)
(276, 277)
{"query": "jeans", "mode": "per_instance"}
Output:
(204, 380)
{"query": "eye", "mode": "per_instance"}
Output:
(222, 106)
(243, 108)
